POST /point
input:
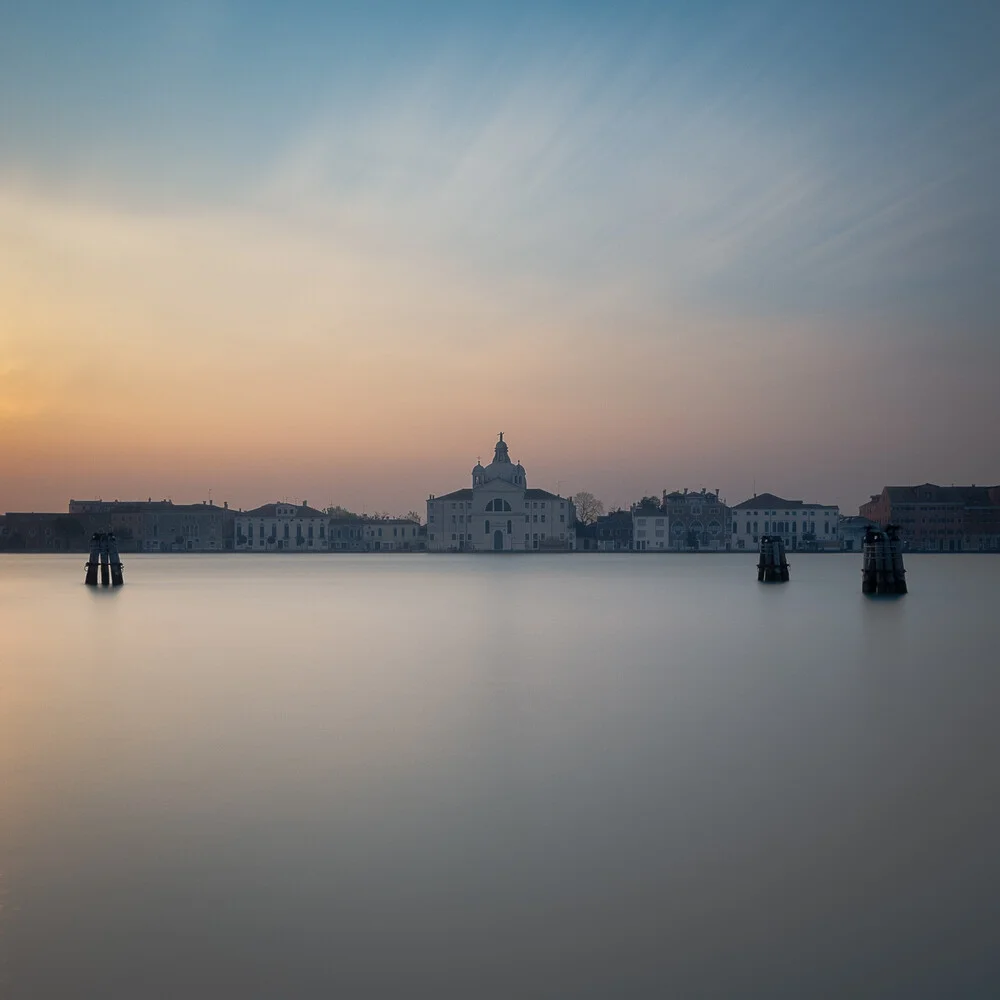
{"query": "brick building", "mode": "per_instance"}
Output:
(139, 526)
(940, 518)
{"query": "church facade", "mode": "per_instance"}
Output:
(499, 513)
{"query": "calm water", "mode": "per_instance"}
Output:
(585, 776)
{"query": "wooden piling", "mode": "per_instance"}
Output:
(104, 556)
(94, 561)
(116, 563)
(105, 562)
(882, 569)
(772, 566)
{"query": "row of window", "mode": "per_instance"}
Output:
(348, 532)
(463, 537)
(492, 505)
(783, 527)
(802, 512)
(527, 517)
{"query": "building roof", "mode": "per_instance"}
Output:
(270, 510)
(465, 494)
(532, 494)
(765, 500)
(624, 516)
(966, 495)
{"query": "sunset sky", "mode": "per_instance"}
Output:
(327, 251)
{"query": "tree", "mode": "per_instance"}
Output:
(588, 507)
(343, 512)
(413, 516)
(649, 505)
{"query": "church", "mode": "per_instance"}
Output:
(499, 513)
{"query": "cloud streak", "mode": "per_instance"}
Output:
(589, 236)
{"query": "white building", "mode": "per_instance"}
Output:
(281, 527)
(650, 531)
(499, 513)
(800, 525)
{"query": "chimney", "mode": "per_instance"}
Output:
(225, 505)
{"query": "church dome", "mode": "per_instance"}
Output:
(500, 453)
(500, 468)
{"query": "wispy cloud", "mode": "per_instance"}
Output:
(597, 230)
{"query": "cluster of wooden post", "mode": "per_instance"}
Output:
(772, 567)
(882, 570)
(104, 556)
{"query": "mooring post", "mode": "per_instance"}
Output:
(882, 569)
(116, 563)
(896, 558)
(92, 564)
(869, 569)
(772, 566)
(105, 562)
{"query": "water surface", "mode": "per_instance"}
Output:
(536, 776)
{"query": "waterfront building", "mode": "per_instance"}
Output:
(281, 527)
(393, 535)
(44, 532)
(499, 513)
(345, 534)
(138, 526)
(168, 527)
(650, 529)
(609, 533)
(810, 526)
(689, 520)
(940, 518)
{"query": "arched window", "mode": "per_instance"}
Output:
(487, 528)
(499, 505)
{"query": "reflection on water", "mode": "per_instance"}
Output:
(544, 776)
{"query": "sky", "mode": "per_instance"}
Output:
(326, 252)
